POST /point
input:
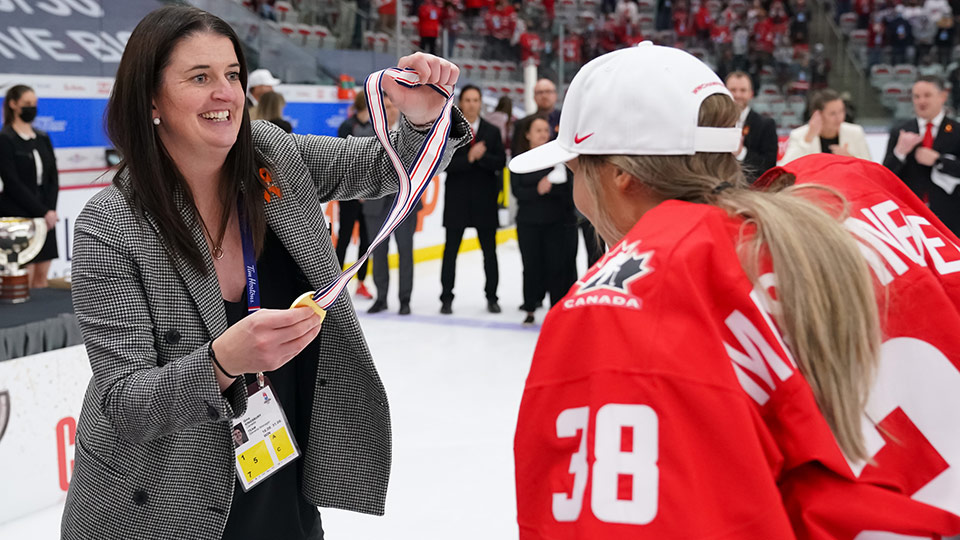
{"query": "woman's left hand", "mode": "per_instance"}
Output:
(422, 105)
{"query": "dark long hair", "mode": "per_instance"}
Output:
(154, 176)
(13, 94)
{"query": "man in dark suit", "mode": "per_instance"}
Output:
(470, 199)
(758, 151)
(545, 96)
(923, 152)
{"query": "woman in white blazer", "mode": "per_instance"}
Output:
(826, 131)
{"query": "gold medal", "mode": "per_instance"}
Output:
(306, 300)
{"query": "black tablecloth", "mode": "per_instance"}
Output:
(44, 323)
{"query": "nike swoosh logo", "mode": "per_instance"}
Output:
(578, 139)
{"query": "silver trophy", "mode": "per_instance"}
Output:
(20, 241)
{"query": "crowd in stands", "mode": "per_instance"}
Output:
(492, 39)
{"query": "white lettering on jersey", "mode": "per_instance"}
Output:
(757, 355)
(602, 300)
(888, 239)
(613, 423)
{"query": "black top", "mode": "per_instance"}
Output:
(282, 124)
(22, 196)
(275, 508)
(472, 189)
(556, 206)
(826, 142)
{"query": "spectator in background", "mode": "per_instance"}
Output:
(800, 23)
(923, 152)
(452, 22)
(346, 23)
(260, 82)
(827, 132)
(877, 40)
(28, 175)
(923, 27)
(271, 109)
(546, 226)
(682, 25)
(501, 20)
(945, 39)
(351, 212)
(545, 96)
(429, 24)
(470, 200)
(530, 45)
(758, 147)
(375, 212)
(820, 67)
(387, 13)
(899, 36)
(502, 118)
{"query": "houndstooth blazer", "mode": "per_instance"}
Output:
(154, 457)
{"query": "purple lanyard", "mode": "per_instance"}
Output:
(249, 263)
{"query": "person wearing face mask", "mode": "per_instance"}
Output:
(827, 132)
(28, 172)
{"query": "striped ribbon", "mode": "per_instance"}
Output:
(413, 182)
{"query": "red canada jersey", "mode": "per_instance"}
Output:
(429, 19)
(663, 403)
(530, 47)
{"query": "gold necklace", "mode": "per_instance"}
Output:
(217, 250)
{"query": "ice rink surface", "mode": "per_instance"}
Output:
(454, 383)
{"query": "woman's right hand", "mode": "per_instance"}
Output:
(264, 341)
(815, 126)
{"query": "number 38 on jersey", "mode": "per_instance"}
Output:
(624, 476)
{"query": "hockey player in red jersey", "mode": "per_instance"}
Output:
(742, 364)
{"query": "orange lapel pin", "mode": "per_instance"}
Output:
(270, 189)
(948, 128)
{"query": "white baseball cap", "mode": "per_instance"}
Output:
(261, 77)
(642, 100)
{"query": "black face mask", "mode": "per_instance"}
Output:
(27, 114)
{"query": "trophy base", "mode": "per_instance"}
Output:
(14, 289)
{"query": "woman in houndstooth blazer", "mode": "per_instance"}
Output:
(158, 265)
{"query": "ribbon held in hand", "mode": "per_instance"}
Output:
(413, 182)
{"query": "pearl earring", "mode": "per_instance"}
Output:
(156, 121)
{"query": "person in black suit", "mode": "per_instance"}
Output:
(923, 152)
(546, 226)
(470, 200)
(758, 152)
(28, 174)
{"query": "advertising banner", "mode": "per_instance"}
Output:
(40, 399)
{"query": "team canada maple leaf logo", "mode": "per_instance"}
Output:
(619, 269)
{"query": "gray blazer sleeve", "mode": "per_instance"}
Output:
(142, 400)
(358, 167)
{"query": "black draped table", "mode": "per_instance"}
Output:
(44, 323)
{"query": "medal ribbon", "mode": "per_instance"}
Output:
(413, 182)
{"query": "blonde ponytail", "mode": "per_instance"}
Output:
(828, 307)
